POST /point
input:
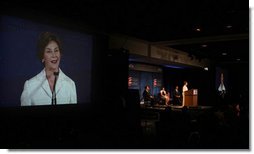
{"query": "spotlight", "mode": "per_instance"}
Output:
(229, 26)
(198, 29)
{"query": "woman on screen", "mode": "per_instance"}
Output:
(51, 85)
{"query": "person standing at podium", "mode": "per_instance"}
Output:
(185, 88)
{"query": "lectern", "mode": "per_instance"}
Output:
(191, 97)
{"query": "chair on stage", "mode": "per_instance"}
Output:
(164, 100)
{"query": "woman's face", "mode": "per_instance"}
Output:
(52, 56)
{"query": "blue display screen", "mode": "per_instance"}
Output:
(19, 61)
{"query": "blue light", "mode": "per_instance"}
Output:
(173, 66)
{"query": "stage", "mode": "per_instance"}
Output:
(174, 107)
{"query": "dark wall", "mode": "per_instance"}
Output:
(100, 48)
(239, 82)
(113, 75)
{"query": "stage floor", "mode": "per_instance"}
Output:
(174, 107)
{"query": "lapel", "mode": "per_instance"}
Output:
(45, 84)
(59, 81)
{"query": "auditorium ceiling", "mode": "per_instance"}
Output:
(214, 29)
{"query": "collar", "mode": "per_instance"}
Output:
(45, 84)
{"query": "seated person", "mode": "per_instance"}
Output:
(148, 98)
(164, 96)
(177, 96)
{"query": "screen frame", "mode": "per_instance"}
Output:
(99, 44)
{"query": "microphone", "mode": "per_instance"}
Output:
(54, 89)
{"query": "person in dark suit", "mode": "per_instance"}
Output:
(148, 98)
(177, 96)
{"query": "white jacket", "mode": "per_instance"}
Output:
(37, 91)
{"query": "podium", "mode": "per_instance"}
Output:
(191, 98)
